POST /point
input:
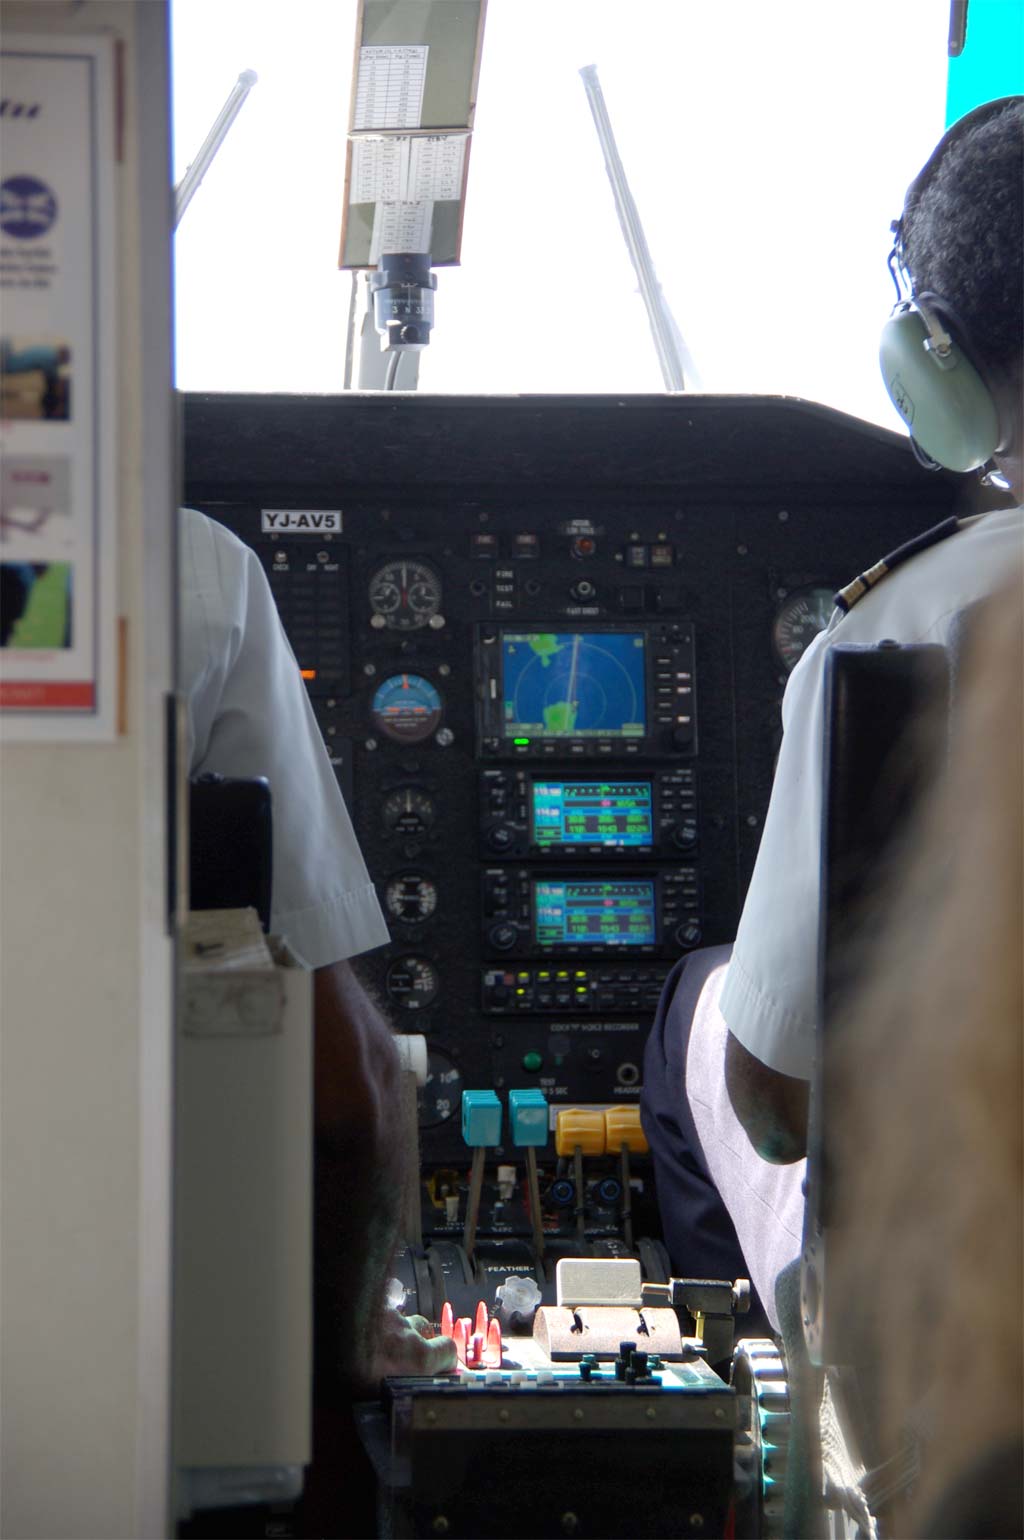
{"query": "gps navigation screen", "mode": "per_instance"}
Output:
(568, 912)
(573, 684)
(615, 814)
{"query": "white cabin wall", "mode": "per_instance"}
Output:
(86, 965)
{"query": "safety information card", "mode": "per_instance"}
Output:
(58, 373)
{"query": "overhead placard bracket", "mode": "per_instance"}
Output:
(417, 63)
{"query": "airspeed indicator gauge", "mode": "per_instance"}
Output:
(798, 621)
(404, 595)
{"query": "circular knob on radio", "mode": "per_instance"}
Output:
(500, 838)
(688, 934)
(503, 937)
(685, 835)
(681, 737)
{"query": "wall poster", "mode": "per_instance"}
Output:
(58, 389)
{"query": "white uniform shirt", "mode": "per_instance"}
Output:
(764, 1202)
(769, 999)
(249, 714)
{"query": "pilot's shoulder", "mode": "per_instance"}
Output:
(854, 591)
(920, 584)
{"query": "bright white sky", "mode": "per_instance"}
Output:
(767, 145)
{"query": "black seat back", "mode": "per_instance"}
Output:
(887, 714)
(230, 844)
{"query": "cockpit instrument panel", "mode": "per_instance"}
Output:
(546, 641)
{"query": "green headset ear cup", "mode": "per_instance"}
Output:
(946, 405)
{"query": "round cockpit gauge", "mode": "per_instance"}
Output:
(410, 897)
(409, 812)
(798, 621)
(406, 594)
(412, 983)
(441, 1097)
(406, 707)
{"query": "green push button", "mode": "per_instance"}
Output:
(532, 1062)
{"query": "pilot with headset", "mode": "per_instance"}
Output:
(729, 1060)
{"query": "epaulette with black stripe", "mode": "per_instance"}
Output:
(847, 597)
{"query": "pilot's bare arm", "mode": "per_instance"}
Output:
(771, 1107)
(360, 1168)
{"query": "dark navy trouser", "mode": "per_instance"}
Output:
(699, 1235)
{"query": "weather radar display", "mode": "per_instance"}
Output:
(573, 684)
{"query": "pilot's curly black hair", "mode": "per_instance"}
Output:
(963, 236)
